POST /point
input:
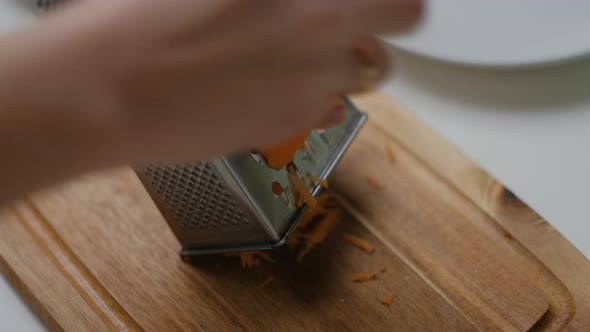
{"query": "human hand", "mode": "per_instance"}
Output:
(194, 79)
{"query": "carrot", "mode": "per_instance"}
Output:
(388, 299)
(295, 238)
(311, 215)
(301, 193)
(373, 182)
(389, 152)
(264, 256)
(251, 259)
(313, 179)
(360, 243)
(277, 188)
(266, 282)
(365, 276)
(282, 154)
(324, 199)
(319, 233)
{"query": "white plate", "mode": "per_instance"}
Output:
(502, 32)
(15, 14)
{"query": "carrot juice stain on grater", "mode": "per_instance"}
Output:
(228, 204)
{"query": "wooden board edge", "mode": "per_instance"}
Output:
(73, 270)
(25, 293)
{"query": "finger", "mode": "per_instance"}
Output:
(347, 18)
(358, 67)
(335, 115)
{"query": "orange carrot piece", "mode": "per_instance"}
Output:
(277, 188)
(360, 243)
(313, 179)
(247, 260)
(282, 154)
(388, 299)
(311, 214)
(266, 282)
(373, 182)
(389, 152)
(265, 256)
(251, 259)
(299, 188)
(365, 276)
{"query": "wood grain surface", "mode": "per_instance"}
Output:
(94, 254)
(545, 247)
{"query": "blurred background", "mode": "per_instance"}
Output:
(508, 82)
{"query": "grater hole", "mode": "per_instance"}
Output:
(259, 159)
(195, 196)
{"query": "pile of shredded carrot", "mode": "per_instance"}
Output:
(315, 226)
(318, 233)
(322, 216)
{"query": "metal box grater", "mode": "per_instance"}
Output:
(228, 204)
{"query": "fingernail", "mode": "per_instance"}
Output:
(370, 72)
(370, 76)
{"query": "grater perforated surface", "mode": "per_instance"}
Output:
(195, 196)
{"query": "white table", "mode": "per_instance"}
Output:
(529, 128)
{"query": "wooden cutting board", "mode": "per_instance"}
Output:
(95, 254)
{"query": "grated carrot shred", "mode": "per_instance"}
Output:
(277, 188)
(299, 188)
(389, 152)
(265, 256)
(365, 276)
(372, 181)
(388, 299)
(251, 259)
(323, 183)
(324, 199)
(266, 282)
(360, 243)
